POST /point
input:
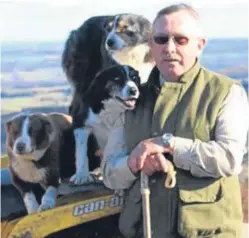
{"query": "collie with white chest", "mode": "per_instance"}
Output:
(110, 94)
(40, 149)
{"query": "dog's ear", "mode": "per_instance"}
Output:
(102, 76)
(98, 86)
(9, 122)
(48, 126)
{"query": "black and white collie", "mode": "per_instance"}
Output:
(113, 91)
(39, 147)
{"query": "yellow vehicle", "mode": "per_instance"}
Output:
(75, 205)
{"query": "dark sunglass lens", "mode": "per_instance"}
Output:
(161, 40)
(181, 40)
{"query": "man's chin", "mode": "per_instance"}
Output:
(171, 74)
(171, 64)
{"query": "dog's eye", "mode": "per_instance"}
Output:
(15, 132)
(116, 79)
(135, 78)
(129, 33)
(108, 28)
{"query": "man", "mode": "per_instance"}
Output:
(194, 117)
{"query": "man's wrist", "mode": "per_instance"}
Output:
(167, 141)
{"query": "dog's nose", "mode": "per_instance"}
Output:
(20, 147)
(133, 91)
(110, 42)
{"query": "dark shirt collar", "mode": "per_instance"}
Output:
(153, 82)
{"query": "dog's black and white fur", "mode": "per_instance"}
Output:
(113, 91)
(39, 147)
(102, 41)
(99, 43)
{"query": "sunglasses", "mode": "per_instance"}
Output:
(179, 40)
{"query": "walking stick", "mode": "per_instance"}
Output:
(170, 182)
(145, 191)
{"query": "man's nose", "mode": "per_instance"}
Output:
(170, 46)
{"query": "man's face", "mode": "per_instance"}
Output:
(176, 43)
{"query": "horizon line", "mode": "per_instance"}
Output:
(62, 41)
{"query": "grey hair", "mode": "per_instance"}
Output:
(176, 8)
(180, 7)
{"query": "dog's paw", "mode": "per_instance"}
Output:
(80, 179)
(97, 174)
(48, 204)
(30, 203)
(33, 208)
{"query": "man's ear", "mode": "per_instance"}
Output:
(201, 45)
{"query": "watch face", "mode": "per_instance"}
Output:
(166, 138)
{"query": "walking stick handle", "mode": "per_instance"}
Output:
(170, 181)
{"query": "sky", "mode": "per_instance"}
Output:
(52, 20)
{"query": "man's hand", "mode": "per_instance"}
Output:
(154, 163)
(144, 150)
(158, 162)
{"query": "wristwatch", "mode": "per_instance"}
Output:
(167, 140)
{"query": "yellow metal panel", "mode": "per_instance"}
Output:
(44, 223)
(4, 162)
(71, 210)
